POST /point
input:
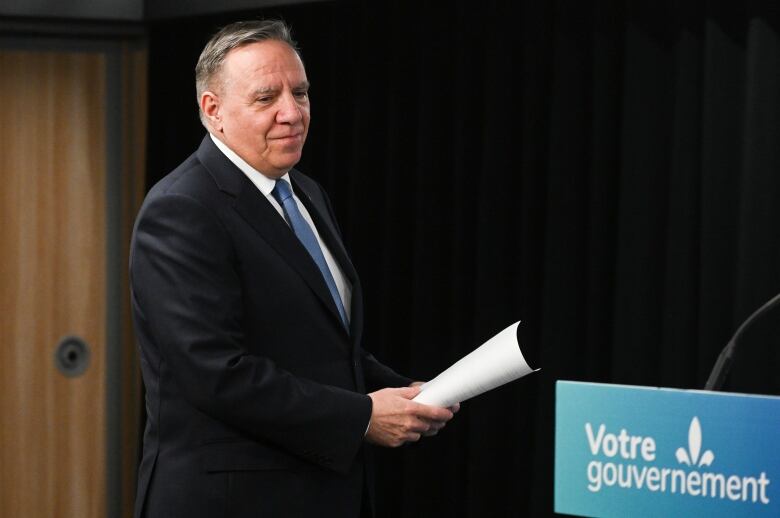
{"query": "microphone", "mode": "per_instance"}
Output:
(723, 365)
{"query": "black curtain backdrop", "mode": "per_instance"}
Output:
(608, 172)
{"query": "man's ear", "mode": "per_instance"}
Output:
(210, 108)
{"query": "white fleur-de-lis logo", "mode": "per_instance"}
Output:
(691, 457)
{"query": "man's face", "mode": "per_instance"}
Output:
(262, 106)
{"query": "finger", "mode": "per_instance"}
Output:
(438, 425)
(430, 433)
(408, 392)
(435, 426)
(419, 425)
(433, 413)
(412, 437)
(454, 408)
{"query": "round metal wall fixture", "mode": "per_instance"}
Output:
(72, 356)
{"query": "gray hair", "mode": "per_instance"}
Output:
(231, 37)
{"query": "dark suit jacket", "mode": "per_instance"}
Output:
(255, 392)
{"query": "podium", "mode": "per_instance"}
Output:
(639, 451)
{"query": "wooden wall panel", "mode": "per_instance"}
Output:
(134, 103)
(52, 282)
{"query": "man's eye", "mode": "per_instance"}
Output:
(301, 95)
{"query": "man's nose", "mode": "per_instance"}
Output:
(289, 109)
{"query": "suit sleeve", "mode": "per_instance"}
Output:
(379, 375)
(188, 294)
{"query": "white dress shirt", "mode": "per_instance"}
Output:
(265, 185)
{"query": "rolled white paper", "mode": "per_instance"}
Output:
(496, 362)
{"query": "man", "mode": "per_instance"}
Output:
(249, 316)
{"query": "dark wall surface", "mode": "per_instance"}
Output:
(606, 172)
(124, 10)
(129, 10)
(162, 9)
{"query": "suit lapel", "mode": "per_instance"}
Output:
(262, 216)
(265, 220)
(326, 228)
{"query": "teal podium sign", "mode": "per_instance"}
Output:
(639, 451)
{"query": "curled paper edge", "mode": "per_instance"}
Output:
(496, 362)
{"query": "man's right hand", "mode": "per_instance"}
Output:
(396, 419)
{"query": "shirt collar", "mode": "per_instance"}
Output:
(262, 182)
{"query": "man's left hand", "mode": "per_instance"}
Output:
(435, 425)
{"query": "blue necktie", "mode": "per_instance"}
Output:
(283, 194)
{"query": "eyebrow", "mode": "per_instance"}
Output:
(272, 90)
(264, 91)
